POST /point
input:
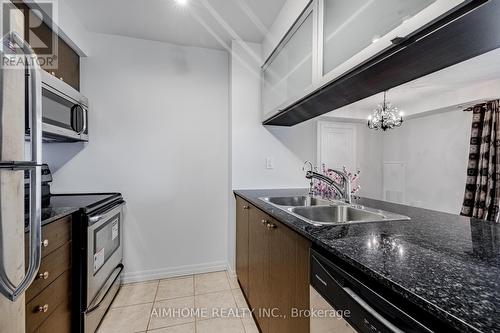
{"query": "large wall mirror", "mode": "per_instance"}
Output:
(425, 161)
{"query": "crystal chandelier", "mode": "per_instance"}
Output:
(385, 116)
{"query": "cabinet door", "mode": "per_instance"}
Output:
(37, 32)
(354, 31)
(242, 209)
(258, 267)
(288, 278)
(289, 71)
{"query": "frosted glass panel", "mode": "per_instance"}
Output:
(290, 72)
(350, 26)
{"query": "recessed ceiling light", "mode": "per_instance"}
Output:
(375, 39)
(182, 2)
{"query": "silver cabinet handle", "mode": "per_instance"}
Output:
(43, 276)
(7, 288)
(43, 308)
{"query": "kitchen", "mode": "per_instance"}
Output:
(165, 183)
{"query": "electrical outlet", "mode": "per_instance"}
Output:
(269, 163)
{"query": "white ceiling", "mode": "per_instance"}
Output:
(204, 23)
(464, 83)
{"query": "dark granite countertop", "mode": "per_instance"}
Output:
(448, 265)
(52, 214)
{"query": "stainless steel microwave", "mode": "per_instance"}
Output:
(65, 111)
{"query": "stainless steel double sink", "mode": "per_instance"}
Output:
(317, 211)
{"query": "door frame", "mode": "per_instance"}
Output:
(343, 125)
(384, 188)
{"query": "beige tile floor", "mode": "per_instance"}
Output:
(205, 303)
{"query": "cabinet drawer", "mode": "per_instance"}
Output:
(54, 235)
(59, 321)
(43, 305)
(51, 267)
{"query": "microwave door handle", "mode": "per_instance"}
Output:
(7, 288)
(84, 115)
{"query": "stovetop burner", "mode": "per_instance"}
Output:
(57, 204)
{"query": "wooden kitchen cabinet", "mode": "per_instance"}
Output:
(48, 299)
(278, 271)
(382, 22)
(288, 278)
(331, 40)
(288, 73)
(242, 215)
(39, 33)
(258, 267)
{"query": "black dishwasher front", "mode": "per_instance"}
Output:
(367, 310)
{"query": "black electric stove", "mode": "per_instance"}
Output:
(58, 205)
(97, 249)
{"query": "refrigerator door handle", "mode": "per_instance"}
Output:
(7, 288)
(35, 95)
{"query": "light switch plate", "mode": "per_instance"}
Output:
(269, 163)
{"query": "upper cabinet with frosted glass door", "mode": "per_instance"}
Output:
(332, 37)
(353, 31)
(288, 72)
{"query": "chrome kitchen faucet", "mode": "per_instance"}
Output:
(344, 193)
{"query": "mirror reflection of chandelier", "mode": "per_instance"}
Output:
(385, 116)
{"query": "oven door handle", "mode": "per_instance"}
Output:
(355, 297)
(96, 303)
(98, 217)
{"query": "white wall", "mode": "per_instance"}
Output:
(435, 149)
(72, 29)
(287, 16)
(159, 135)
(252, 143)
(367, 155)
(68, 21)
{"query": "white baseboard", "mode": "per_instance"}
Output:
(230, 271)
(155, 274)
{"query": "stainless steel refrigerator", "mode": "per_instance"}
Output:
(20, 161)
